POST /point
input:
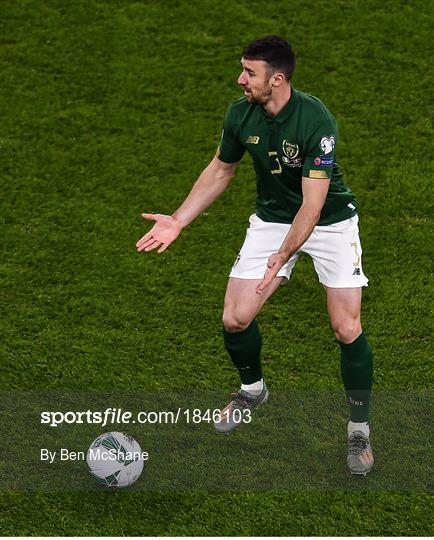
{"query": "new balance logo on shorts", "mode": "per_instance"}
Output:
(356, 272)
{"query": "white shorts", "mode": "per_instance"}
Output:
(335, 250)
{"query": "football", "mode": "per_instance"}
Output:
(115, 460)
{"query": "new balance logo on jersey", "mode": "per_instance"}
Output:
(356, 272)
(252, 139)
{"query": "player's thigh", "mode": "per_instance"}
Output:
(337, 254)
(344, 305)
(261, 241)
(242, 303)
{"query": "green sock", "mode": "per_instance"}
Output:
(357, 372)
(245, 349)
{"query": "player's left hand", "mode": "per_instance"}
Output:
(274, 264)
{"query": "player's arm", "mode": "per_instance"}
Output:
(213, 180)
(317, 171)
(314, 196)
(209, 186)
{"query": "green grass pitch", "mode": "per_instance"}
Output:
(111, 108)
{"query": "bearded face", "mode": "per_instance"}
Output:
(256, 81)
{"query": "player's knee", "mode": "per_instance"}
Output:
(235, 321)
(347, 330)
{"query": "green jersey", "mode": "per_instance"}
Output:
(299, 141)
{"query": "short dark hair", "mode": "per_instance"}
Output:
(274, 50)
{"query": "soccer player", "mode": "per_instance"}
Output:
(302, 206)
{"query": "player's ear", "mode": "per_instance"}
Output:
(277, 79)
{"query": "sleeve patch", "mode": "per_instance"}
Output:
(327, 144)
(318, 174)
(320, 152)
(324, 161)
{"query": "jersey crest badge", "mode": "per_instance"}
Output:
(327, 144)
(290, 150)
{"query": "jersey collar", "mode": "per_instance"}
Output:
(287, 110)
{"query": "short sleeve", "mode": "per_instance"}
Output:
(321, 149)
(230, 149)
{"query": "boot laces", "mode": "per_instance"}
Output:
(357, 444)
(241, 399)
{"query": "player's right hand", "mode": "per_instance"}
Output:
(162, 234)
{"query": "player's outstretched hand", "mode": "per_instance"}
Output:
(162, 234)
(274, 264)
